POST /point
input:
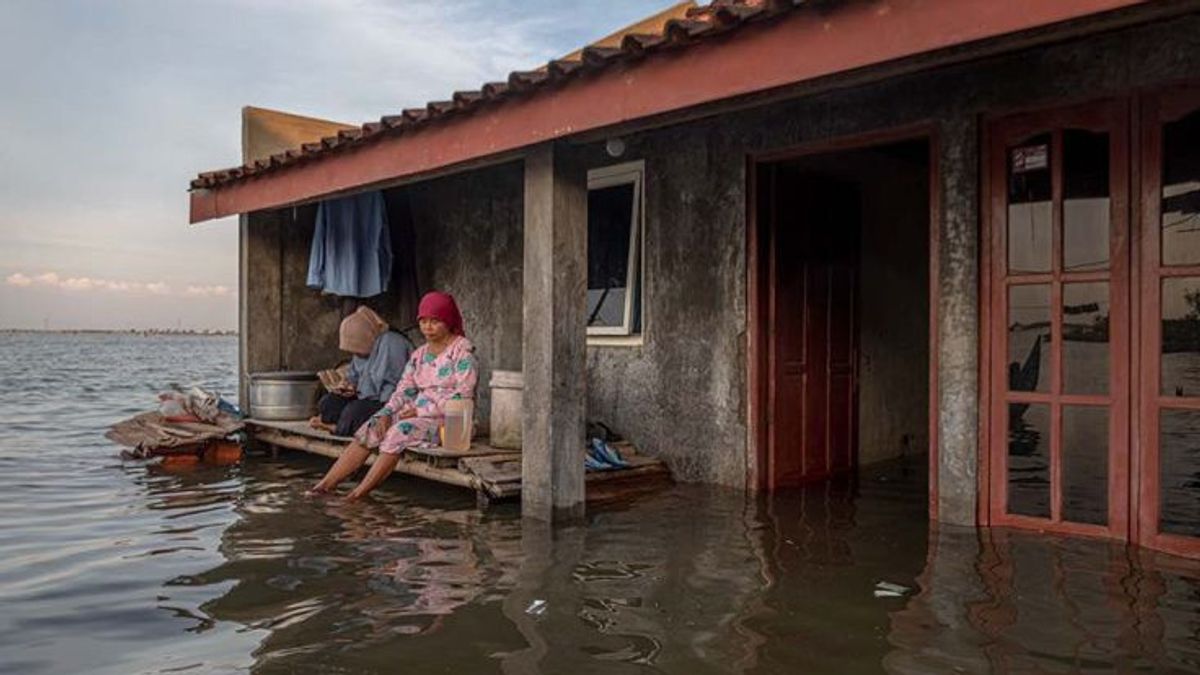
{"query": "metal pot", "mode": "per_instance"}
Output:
(283, 396)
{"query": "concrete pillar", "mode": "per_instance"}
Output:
(958, 322)
(260, 299)
(554, 332)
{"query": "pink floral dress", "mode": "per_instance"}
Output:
(428, 381)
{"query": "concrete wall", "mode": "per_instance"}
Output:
(469, 242)
(680, 394)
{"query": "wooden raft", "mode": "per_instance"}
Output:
(493, 473)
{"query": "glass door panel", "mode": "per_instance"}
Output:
(1029, 459)
(1086, 343)
(1029, 366)
(1179, 473)
(1169, 477)
(1085, 464)
(1030, 206)
(1058, 203)
(1086, 200)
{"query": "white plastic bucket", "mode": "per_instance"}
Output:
(508, 388)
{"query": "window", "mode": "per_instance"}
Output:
(614, 274)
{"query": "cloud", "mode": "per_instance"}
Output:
(87, 284)
(79, 284)
(207, 291)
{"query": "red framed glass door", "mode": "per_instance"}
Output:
(1168, 494)
(1058, 213)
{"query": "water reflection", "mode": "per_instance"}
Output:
(692, 580)
(1029, 459)
(1008, 601)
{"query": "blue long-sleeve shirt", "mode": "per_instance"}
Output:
(375, 376)
(351, 251)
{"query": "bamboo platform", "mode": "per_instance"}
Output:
(493, 473)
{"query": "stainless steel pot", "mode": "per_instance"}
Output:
(283, 396)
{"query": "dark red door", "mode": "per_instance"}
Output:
(812, 328)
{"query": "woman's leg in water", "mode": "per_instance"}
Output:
(347, 463)
(385, 462)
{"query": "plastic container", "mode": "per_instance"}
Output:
(508, 389)
(458, 425)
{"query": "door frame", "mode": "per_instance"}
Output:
(1153, 108)
(759, 287)
(1144, 154)
(997, 132)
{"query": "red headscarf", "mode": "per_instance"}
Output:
(441, 306)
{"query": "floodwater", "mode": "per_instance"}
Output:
(112, 566)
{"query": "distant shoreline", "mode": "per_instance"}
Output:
(145, 332)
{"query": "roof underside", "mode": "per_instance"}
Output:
(723, 50)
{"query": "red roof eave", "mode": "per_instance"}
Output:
(797, 47)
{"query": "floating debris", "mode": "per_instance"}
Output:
(886, 589)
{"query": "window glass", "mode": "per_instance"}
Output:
(1085, 349)
(1085, 464)
(611, 233)
(1179, 473)
(1181, 192)
(1180, 336)
(1029, 459)
(1030, 207)
(1086, 204)
(1028, 331)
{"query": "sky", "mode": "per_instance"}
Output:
(109, 109)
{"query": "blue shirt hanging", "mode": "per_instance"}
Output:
(352, 247)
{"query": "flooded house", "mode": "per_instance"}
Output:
(774, 242)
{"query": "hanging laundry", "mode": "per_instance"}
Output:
(352, 247)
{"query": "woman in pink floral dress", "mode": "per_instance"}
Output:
(441, 370)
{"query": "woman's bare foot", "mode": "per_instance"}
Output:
(316, 423)
(318, 490)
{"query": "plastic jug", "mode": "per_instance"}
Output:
(458, 425)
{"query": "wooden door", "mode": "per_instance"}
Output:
(1058, 216)
(813, 353)
(1168, 490)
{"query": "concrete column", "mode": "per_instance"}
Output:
(554, 332)
(260, 302)
(958, 322)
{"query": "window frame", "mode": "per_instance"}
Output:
(626, 173)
